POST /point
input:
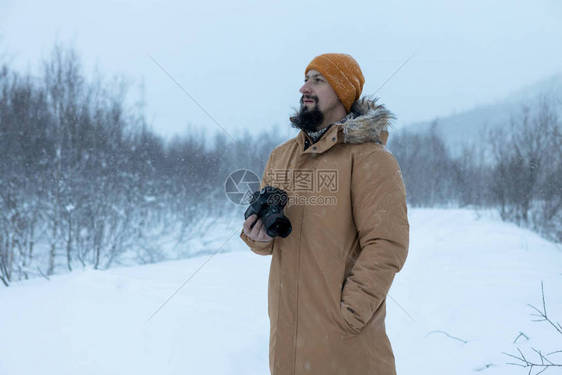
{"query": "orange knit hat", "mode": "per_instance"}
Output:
(343, 74)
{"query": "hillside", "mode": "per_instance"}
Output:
(471, 126)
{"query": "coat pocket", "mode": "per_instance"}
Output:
(349, 322)
(352, 323)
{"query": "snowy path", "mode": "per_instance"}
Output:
(471, 278)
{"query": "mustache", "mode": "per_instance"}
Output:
(308, 97)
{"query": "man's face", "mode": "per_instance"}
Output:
(317, 93)
(318, 98)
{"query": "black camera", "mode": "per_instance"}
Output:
(268, 204)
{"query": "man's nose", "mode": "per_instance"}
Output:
(305, 89)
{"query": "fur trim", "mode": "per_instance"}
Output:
(366, 121)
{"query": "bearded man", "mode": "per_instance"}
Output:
(329, 278)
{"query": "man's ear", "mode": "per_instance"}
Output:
(340, 102)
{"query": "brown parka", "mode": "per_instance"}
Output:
(329, 278)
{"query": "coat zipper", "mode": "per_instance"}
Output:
(298, 283)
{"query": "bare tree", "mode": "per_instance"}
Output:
(544, 361)
(527, 176)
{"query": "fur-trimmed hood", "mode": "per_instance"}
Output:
(367, 121)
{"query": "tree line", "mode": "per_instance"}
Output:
(516, 169)
(84, 181)
(83, 178)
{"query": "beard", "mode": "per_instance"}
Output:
(307, 119)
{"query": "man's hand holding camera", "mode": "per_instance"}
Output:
(264, 218)
(256, 230)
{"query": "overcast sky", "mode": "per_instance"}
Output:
(243, 61)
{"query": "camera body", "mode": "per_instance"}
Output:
(268, 204)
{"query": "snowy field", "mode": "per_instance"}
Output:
(459, 302)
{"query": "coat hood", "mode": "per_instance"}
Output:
(367, 121)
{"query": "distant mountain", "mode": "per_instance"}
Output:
(472, 125)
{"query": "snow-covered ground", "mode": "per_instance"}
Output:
(459, 302)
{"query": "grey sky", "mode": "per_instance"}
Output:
(244, 61)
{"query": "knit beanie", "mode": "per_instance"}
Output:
(343, 74)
